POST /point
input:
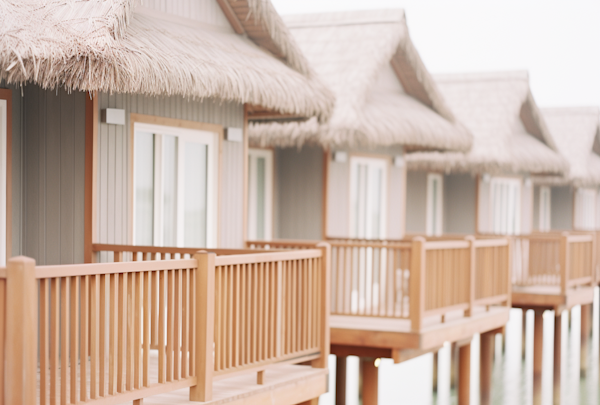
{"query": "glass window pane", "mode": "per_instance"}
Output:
(260, 197)
(169, 188)
(195, 200)
(144, 188)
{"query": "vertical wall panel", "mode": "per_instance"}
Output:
(460, 200)
(536, 208)
(527, 207)
(299, 193)
(484, 220)
(338, 199)
(114, 163)
(561, 208)
(416, 201)
(396, 202)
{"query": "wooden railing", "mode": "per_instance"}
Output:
(413, 279)
(555, 259)
(116, 332)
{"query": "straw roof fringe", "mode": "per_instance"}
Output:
(575, 131)
(349, 50)
(115, 46)
(510, 135)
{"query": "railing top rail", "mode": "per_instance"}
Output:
(268, 256)
(446, 244)
(369, 243)
(285, 242)
(491, 242)
(99, 247)
(580, 238)
(90, 269)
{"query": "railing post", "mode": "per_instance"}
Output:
(509, 270)
(325, 273)
(564, 262)
(204, 324)
(417, 283)
(20, 350)
(472, 269)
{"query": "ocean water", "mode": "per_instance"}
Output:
(411, 383)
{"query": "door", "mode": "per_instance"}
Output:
(260, 194)
(368, 192)
(585, 209)
(505, 205)
(435, 204)
(175, 186)
(544, 211)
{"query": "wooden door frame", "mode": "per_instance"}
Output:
(6, 94)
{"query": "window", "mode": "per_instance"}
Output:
(3, 179)
(435, 203)
(260, 194)
(368, 181)
(544, 220)
(505, 205)
(175, 190)
(585, 209)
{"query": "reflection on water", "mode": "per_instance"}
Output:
(411, 383)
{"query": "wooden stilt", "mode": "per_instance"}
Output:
(369, 374)
(464, 374)
(454, 366)
(340, 380)
(435, 371)
(557, 356)
(486, 361)
(538, 350)
(586, 328)
(524, 334)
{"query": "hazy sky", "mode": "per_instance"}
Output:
(557, 41)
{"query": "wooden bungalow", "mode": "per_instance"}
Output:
(123, 137)
(344, 181)
(490, 190)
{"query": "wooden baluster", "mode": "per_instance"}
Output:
(564, 262)
(161, 327)
(74, 313)
(205, 290)
(121, 331)
(154, 309)
(170, 324)
(44, 339)
(130, 299)
(324, 305)
(279, 342)
(20, 345)
(54, 338)
(185, 304)
(94, 336)
(417, 283)
(238, 317)
(176, 324)
(137, 329)
(84, 337)
(472, 268)
(148, 286)
(64, 342)
(112, 333)
(102, 336)
(192, 321)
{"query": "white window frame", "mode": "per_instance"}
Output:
(211, 139)
(545, 209)
(585, 209)
(3, 180)
(383, 164)
(253, 154)
(437, 228)
(501, 191)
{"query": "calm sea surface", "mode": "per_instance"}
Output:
(411, 383)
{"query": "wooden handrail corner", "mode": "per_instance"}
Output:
(417, 283)
(472, 270)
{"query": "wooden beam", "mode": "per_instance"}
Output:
(231, 17)
(91, 164)
(6, 94)
(586, 328)
(340, 380)
(370, 380)
(557, 356)
(538, 350)
(486, 361)
(464, 374)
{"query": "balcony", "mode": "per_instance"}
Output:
(554, 270)
(405, 298)
(165, 325)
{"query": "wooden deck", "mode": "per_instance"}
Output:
(550, 297)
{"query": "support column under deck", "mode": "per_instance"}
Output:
(538, 350)
(486, 361)
(370, 381)
(557, 356)
(586, 331)
(464, 374)
(340, 380)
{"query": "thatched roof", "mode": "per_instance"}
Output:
(576, 132)
(509, 133)
(351, 51)
(119, 46)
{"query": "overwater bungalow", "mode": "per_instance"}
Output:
(490, 190)
(344, 181)
(123, 141)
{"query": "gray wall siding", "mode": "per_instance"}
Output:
(299, 193)
(460, 200)
(561, 208)
(53, 153)
(416, 202)
(114, 163)
(338, 199)
(536, 208)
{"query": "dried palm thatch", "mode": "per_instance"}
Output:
(384, 94)
(576, 132)
(509, 133)
(118, 46)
